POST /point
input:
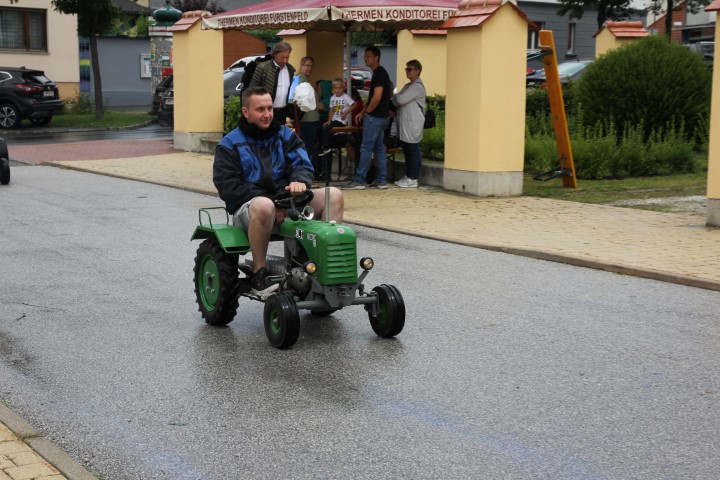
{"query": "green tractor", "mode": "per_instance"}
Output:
(319, 271)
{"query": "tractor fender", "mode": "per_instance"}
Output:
(232, 239)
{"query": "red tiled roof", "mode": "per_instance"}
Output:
(472, 13)
(713, 7)
(188, 20)
(625, 29)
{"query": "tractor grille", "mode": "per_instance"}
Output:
(341, 263)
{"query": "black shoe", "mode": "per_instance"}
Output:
(260, 283)
(325, 151)
(320, 177)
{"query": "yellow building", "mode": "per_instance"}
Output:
(615, 34)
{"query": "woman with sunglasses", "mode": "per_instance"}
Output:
(410, 103)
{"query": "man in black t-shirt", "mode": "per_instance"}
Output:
(374, 118)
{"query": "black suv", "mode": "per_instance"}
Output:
(27, 93)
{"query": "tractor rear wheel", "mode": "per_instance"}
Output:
(216, 283)
(390, 318)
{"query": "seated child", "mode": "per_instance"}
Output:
(340, 107)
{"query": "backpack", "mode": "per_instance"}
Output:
(429, 119)
(250, 71)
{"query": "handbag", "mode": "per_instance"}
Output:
(305, 97)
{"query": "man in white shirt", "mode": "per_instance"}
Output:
(276, 76)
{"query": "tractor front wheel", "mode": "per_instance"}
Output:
(282, 320)
(390, 318)
(216, 283)
(4, 171)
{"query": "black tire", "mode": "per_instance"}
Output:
(9, 116)
(282, 320)
(41, 120)
(3, 149)
(216, 283)
(4, 171)
(390, 319)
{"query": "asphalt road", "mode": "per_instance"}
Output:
(508, 367)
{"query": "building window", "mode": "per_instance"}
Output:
(23, 29)
(534, 36)
(571, 39)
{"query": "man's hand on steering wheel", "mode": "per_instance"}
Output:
(296, 188)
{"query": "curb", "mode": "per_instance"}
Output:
(69, 467)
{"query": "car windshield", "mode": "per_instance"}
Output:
(570, 68)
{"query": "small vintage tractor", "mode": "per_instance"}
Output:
(319, 271)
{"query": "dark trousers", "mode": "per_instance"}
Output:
(309, 132)
(280, 114)
(326, 132)
(413, 159)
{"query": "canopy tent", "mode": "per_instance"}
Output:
(336, 16)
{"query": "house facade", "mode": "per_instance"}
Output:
(36, 36)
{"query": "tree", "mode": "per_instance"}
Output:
(621, 10)
(192, 5)
(606, 9)
(669, 6)
(94, 18)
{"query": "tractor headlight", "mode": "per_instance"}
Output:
(310, 267)
(367, 263)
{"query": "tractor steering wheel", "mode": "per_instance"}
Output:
(286, 201)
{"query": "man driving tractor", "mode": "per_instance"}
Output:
(255, 161)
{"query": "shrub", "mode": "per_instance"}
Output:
(537, 100)
(433, 142)
(232, 113)
(79, 105)
(649, 82)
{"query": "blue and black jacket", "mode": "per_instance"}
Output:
(250, 162)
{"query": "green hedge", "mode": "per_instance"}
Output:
(650, 82)
(599, 153)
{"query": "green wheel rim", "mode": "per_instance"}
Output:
(382, 315)
(275, 322)
(209, 282)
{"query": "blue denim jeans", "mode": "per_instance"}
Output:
(372, 141)
(413, 159)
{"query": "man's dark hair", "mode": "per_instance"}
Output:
(252, 91)
(374, 50)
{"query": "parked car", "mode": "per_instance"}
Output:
(244, 61)
(232, 82)
(27, 93)
(706, 49)
(165, 84)
(361, 77)
(568, 71)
